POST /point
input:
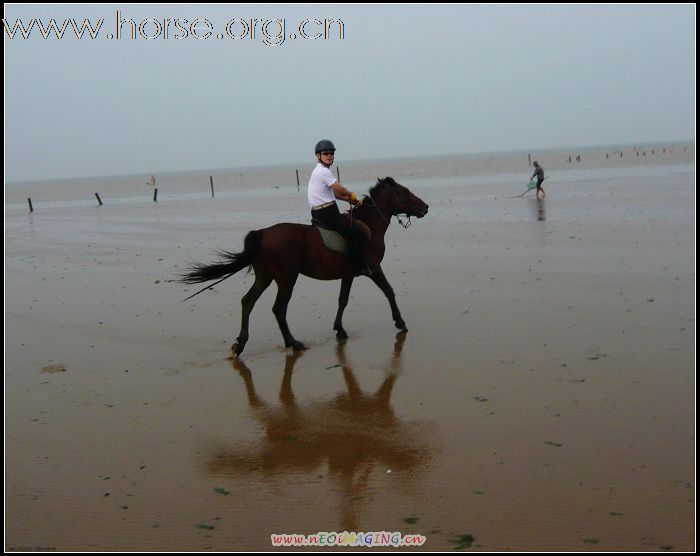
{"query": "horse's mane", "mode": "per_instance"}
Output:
(381, 184)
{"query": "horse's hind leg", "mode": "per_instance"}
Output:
(285, 286)
(262, 281)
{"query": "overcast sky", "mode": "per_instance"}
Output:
(403, 81)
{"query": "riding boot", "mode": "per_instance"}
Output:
(360, 267)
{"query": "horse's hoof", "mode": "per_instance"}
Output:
(401, 325)
(297, 346)
(236, 350)
(341, 334)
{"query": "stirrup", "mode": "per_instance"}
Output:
(363, 270)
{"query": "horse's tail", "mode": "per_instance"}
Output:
(229, 264)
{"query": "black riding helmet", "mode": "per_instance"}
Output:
(324, 145)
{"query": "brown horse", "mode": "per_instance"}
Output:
(283, 251)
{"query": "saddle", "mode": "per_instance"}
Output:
(334, 241)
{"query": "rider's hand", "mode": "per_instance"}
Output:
(354, 200)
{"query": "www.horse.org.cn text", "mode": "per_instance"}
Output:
(267, 31)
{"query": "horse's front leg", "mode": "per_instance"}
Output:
(345, 286)
(378, 278)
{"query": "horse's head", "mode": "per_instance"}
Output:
(397, 199)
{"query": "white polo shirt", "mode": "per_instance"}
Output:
(320, 191)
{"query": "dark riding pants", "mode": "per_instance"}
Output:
(331, 218)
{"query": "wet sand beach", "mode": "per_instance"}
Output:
(541, 400)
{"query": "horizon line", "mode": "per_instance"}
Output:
(351, 160)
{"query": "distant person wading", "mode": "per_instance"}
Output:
(539, 172)
(323, 190)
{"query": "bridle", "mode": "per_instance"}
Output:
(398, 217)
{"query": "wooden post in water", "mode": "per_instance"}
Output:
(337, 171)
(211, 184)
(98, 198)
(297, 181)
(31, 208)
(529, 160)
(155, 195)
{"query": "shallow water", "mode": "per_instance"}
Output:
(542, 398)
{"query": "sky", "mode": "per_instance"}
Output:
(213, 88)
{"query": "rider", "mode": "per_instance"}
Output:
(323, 190)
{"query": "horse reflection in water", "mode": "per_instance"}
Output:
(354, 434)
